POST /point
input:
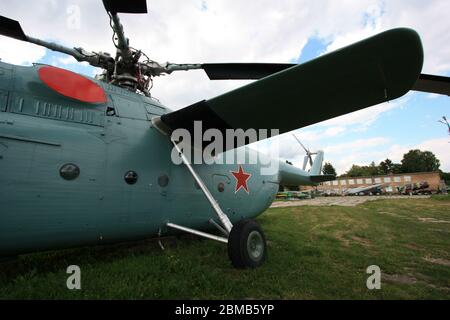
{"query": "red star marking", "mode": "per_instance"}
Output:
(241, 179)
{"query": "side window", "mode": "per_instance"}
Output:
(110, 111)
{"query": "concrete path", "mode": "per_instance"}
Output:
(338, 201)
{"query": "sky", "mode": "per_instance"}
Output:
(295, 31)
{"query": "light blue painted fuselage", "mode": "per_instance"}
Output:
(41, 130)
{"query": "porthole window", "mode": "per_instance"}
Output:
(163, 180)
(221, 187)
(69, 171)
(110, 111)
(131, 177)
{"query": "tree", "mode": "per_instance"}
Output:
(420, 161)
(386, 166)
(373, 169)
(397, 168)
(358, 171)
(328, 169)
(445, 176)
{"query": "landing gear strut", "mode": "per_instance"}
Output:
(246, 241)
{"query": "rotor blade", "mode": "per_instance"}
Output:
(124, 6)
(298, 140)
(305, 162)
(242, 71)
(375, 70)
(310, 159)
(433, 84)
(11, 28)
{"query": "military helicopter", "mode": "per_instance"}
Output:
(88, 161)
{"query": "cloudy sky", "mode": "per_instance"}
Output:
(196, 31)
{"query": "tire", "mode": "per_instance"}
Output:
(247, 246)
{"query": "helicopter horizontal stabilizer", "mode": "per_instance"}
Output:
(11, 28)
(290, 175)
(372, 71)
(123, 6)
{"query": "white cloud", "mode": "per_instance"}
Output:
(16, 52)
(334, 131)
(356, 145)
(66, 60)
(441, 148)
(366, 117)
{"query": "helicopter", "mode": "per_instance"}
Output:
(88, 161)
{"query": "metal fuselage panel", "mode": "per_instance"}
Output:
(41, 130)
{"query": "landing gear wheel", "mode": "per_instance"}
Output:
(247, 245)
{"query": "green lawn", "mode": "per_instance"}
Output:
(314, 253)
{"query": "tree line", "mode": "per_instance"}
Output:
(413, 161)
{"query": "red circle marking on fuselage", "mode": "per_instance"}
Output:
(72, 85)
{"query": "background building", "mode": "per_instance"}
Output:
(389, 183)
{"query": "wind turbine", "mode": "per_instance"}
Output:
(445, 122)
(308, 155)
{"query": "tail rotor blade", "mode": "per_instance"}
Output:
(305, 162)
(310, 159)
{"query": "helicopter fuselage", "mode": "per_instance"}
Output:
(45, 137)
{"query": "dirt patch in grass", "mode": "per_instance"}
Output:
(346, 240)
(363, 241)
(413, 246)
(339, 235)
(390, 214)
(398, 278)
(440, 261)
(432, 220)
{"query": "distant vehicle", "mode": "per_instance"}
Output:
(293, 195)
(365, 191)
(416, 189)
(331, 193)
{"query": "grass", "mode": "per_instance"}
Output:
(314, 253)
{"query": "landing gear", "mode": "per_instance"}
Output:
(246, 241)
(247, 245)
